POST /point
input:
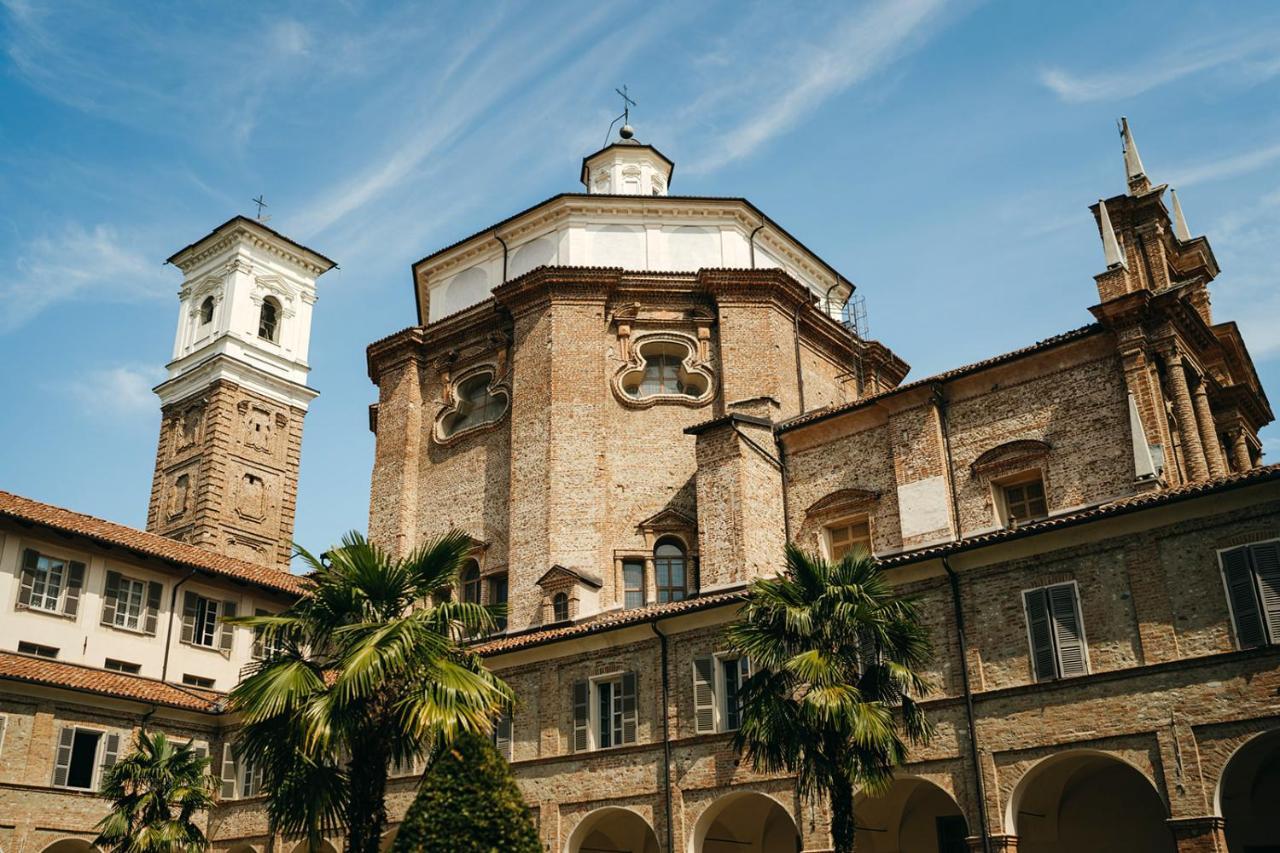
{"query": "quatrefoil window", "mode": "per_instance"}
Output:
(662, 369)
(476, 403)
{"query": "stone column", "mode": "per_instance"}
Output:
(1240, 457)
(1192, 449)
(1208, 432)
(1199, 834)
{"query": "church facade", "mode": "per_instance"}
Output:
(630, 401)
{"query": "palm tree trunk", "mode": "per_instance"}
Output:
(842, 820)
(367, 807)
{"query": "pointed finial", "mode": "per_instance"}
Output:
(1133, 169)
(1180, 229)
(1110, 245)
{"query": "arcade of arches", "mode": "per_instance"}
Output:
(748, 822)
(1249, 796)
(914, 815)
(613, 829)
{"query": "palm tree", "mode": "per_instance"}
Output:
(367, 669)
(837, 658)
(157, 790)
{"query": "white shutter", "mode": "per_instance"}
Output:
(704, 694)
(1068, 630)
(62, 759)
(228, 772)
(1266, 566)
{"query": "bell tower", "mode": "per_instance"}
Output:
(226, 476)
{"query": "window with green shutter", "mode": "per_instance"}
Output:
(1251, 576)
(1055, 631)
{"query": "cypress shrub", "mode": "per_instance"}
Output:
(468, 803)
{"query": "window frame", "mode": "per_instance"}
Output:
(658, 561)
(121, 666)
(99, 756)
(627, 591)
(277, 312)
(223, 634)
(141, 616)
(492, 583)
(556, 600)
(207, 308)
(38, 650)
(1057, 657)
(720, 722)
(1001, 498)
(617, 710)
(1270, 637)
(847, 521)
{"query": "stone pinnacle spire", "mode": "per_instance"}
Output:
(1133, 168)
(1110, 245)
(1180, 229)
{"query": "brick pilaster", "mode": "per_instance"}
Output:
(1199, 834)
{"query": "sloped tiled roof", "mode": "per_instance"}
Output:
(63, 520)
(35, 670)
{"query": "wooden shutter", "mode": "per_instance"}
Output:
(1246, 613)
(259, 648)
(153, 608)
(75, 580)
(1266, 567)
(228, 772)
(704, 694)
(502, 735)
(628, 707)
(110, 597)
(30, 560)
(62, 760)
(226, 633)
(1041, 634)
(581, 716)
(110, 751)
(1068, 630)
(189, 600)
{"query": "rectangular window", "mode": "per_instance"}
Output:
(1024, 501)
(130, 604)
(502, 735)
(717, 692)
(197, 681)
(263, 647)
(241, 777)
(849, 538)
(200, 625)
(1251, 575)
(36, 649)
(50, 584)
(609, 720)
(498, 595)
(122, 666)
(633, 584)
(81, 756)
(1056, 632)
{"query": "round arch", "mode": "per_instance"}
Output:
(1248, 791)
(305, 847)
(243, 848)
(744, 822)
(612, 828)
(388, 839)
(71, 845)
(914, 814)
(1086, 799)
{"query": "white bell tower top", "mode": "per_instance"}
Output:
(627, 167)
(245, 313)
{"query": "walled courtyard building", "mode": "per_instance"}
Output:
(630, 401)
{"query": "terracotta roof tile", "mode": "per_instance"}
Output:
(34, 670)
(109, 533)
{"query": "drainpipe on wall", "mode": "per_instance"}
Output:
(799, 365)
(751, 241)
(168, 640)
(666, 735)
(504, 255)
(939, 401)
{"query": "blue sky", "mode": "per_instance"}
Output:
(942, 155)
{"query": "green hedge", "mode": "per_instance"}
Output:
(469, 803)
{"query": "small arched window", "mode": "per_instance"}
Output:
(269, 319)
(206, 311)
(560, 607)
(670, 569)
(471, 583)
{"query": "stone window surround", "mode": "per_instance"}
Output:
(451, 381)
(645, 556)
(695, 362)
(997, 485)
(824, 532)
(559, 579)
(842, 506)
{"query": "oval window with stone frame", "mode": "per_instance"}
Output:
(475, 404)
(664, 372)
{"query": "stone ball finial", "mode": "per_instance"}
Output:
(627, 131)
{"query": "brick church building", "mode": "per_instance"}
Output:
(630, 401)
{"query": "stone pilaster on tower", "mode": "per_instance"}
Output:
(1134, 171)
(226, 474)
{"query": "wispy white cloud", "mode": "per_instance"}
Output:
(1227, 167)
(90, 263)
(756, 102)
(120, 391)
(1245, 240)
(1253, 56)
